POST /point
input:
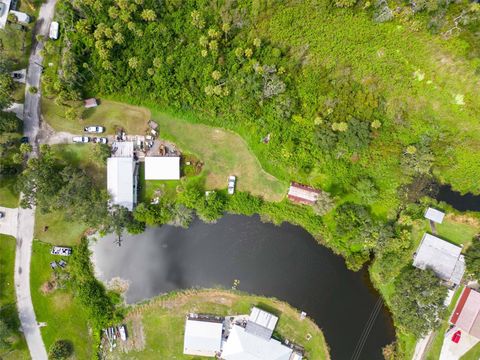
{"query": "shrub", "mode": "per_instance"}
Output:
(60, 350)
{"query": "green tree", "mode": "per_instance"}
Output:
(418, 301)
(60, 350)
(6, 89)
(366, 190)
(148, 15)
(211, 207)
(472, 258)
(324, 203)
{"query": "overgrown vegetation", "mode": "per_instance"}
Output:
(368, 112)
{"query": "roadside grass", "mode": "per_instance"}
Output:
(439, 336)
(64, 317)
(81, 156)
(52, 227)
(224, 153)
(163, 321)
(16, 45)
(19, 93)
(110, 114)
(9, 195)
(8, 308)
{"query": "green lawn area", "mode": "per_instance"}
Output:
(163, 320)
(8, 308)
(65, 318)
(457, 231)
(59, 232)
(8, 194)
(147, 188)
(110, 114)
(472, 354)
(436, 345)
(224, 153)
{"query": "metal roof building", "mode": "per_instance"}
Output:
(466, 315)
(122, 175)
(162, 168)
(242, 345)
(261, 323)
(202, 337)
(434, 215)
(303, 194)
(442, 257)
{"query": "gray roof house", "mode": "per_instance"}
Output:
(442, 257)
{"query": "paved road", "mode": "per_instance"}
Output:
(26, 217)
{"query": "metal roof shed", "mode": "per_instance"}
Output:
(162, 168)
(122, 181)
(434, 215)
(202, 338)
(261, 323)
(440, 256)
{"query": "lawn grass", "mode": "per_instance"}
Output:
(110, 114)
(224, 153)
(60, 231)
(19, 93)
(148, 188)
(163, 321)
(9, 195)
(64, 317)
(455, 230)
(8, 308)
(472, 354)
(439, 335)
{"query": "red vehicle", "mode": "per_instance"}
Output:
(456, 336)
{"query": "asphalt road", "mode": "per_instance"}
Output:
(26, 217)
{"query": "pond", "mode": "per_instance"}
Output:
(467, 202)
(278, 261)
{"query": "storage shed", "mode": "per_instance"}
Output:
(434, 215)
(303, 194)
(90, 103)
(162, 168)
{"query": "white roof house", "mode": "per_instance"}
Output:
(442, 257)
(4, 7)
(122, 181)
(434, 215)
(162, 168)
(53, 34)
(242, 345)
(21, 16)
(202, 338)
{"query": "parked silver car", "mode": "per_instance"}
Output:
(100, 140)
(81, 139)
(94, 129)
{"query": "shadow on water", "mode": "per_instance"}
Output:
(467, 202)
(280, 261)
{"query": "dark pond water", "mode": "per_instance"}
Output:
(467, 202)
(280, 261)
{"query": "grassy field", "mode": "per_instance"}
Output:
(385, 57)
(224, 153)
(8, 194)
(64, 317)
(8, 308)
(163, 321)
(472, 354)
(109, 114)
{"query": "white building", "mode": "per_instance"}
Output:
(53, 34)
(202, 337)
(162, 168)
(4, 8)
(122, 174)
(442, 257)
(434, 215)
(21, 16)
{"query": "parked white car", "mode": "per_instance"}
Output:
(81, 139)
(94, 129)
(231, 184)
(100, 140)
